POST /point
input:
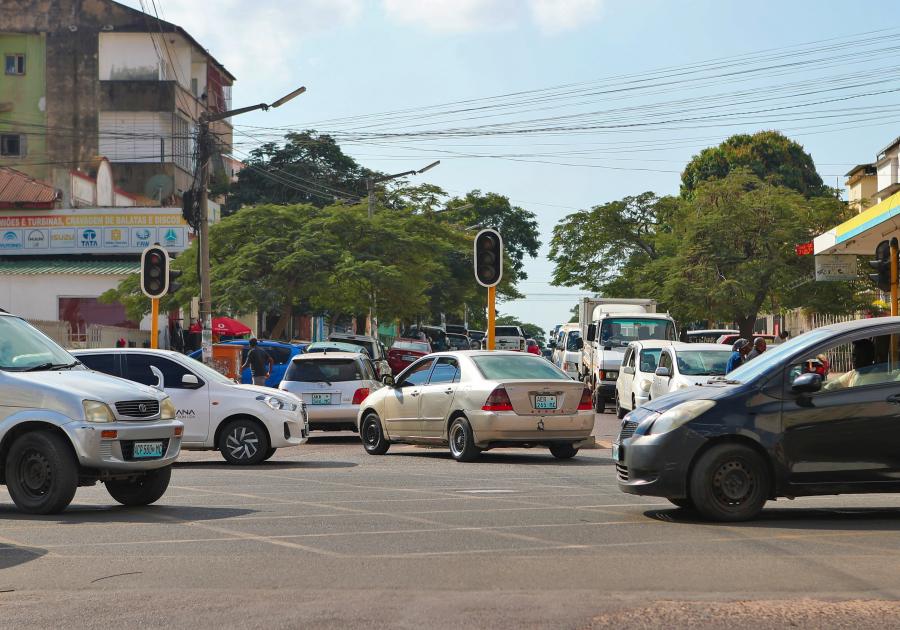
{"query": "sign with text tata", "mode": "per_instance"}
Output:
(91, 231)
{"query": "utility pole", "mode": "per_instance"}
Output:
(204, 153)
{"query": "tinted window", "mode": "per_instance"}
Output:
(507, 331)
(279, 355)
(138, 369)
(702, 363)
(514, 367)
(324, 370)
(414, 346)
(445, 371)
(366, 345)
(457, 343)
(417, 373)
(106, 363)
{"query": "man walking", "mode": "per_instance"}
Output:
(260, 363)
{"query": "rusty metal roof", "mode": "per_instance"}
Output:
(21, 190)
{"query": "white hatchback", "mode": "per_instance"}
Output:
(246, 423)
(636, 374)
(687, 364)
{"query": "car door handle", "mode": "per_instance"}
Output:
(893, 398)
(415, 393)
(449, 390)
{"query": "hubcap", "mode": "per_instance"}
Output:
(457, 439)
(370, 433)
(35, 474)
(733, 482)
(242, 443)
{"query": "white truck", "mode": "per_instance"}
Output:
(608, 325)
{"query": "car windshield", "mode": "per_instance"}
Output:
(505, 367)
(620, 331)
(208, 374)
(23, 348)
(572, 340)
(702, 362)
(365, 345)
(324, 371)
(411, 346)
(507, 331)
(771, 358)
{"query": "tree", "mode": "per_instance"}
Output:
(767, 154)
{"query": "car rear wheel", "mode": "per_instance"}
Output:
(142, 490)
(730, 482)
(599, 402)
(243, 442)
(462, 441)
(620, 411)
(372, 436)
(41, 473)
(563, 451)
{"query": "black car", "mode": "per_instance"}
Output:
(817, 415)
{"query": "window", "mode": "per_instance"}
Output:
(182, 143)
(106, 363)
(845, 365)
(703, 362)
(324, 370)
(445, 371)
(15, 64)
(628, 359)
(515, 367)
(12, 144)
(572, 343)
(417, 373)
(413, 346)
(665, 360)
(651, 358)
(508, 331)
(138, 369)
(279, 355)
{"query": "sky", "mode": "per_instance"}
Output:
(363, 57)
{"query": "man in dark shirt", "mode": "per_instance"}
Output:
(260, 363)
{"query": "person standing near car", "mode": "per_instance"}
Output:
(260, 363)
(759, 346)
(740, 350)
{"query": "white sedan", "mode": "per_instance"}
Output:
(476, 400)
(684, 365)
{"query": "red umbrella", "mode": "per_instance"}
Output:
(224, 326)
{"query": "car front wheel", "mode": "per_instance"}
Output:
(243, 442)
(730, 482)
(372, 436)
(142, 490)
(462, 441)
(41, 473)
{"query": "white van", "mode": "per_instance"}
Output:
(567, 353)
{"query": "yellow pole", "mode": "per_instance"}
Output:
(894, 276)
(154, 322)
(492, 314)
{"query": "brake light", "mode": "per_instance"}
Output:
(587, 402)
(498, 401)
(360, 395)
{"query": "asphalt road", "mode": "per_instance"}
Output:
(326, 536)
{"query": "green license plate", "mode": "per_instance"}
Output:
(321, 399)
(144, 450)
(544, 402)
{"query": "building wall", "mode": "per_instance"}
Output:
(862, 191)
(23, 103)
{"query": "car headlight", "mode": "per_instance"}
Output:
(167, 409)
(645, 385)
(277, 403)
(96, 411)
(679, 415)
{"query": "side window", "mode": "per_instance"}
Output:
(138, 370)
(417, 374)
(856, 363)
(626, 360)
(665, 360)
(446, 370)
(279, 355)
(106, 363)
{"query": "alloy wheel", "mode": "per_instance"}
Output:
(242, 443)
(457, 439)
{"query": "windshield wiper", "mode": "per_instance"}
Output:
(723, 379)
(40, 367)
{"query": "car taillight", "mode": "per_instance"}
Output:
(498, 401)
(587, 402)
(360, 395)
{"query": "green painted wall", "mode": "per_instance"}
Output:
(23, 106)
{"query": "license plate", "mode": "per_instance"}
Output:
(409, 357)
(321, 399)
(544, 402)
(617, 452)
(147, 449)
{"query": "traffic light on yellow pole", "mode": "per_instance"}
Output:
(489, 272)
(154, 284)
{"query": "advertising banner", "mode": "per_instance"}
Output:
(91, 231)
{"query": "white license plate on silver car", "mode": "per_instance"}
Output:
(144, 450)
(320, 399)
(544, 401)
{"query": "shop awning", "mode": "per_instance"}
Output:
(69, 267)
(862, 233)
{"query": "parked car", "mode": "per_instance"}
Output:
(684, 365)
(62, 426)
(477, 335)
(477, 400)
(281, 354)
(457, 329)
(532, 347)
(377, 351)
(404, 351)
(246, 423)
(332, 385)
(509, 338)
(729, 339)
(636, 375)
(333, 346)
(567, 353)
(708, 336)
(547, 353)
(772, 428)
(458, 342)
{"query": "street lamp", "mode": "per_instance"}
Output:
(203, 157)
(371, 181)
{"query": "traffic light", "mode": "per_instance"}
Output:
(154, 272)
(173, 286)
(488, 258)
(882, 265)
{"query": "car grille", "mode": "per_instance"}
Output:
(628, 428)
(621, 471)
(138, 408)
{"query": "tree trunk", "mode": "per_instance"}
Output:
(283, 320)
(745, 325)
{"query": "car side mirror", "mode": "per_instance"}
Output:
(628, 369)
(160, 379)
(388, 380)
(592, 332)
(664, 372)
(579, 343)
(807, 383)
(190, 381)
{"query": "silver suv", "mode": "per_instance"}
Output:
(63, 426)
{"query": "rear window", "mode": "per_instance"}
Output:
(324, 370)
(412, 346)
(366, 345)
(501, 368)
(507, 331)
(457, 343)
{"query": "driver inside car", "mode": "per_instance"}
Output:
(865, 371)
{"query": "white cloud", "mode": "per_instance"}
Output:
(554, 16)
(550, 16)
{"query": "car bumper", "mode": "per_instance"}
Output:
(607, 391)
(641, 398)
(287, 429)
(491, 428)
(656, 465)
(114, 454)
(332, 415)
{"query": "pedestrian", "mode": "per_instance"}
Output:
(759, 346)
(739, 352)
(259, 361)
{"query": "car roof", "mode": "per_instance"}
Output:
(718, 347)
(313, 356)
(338, 336)
(159, 351)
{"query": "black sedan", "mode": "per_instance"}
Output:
(778, 426)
